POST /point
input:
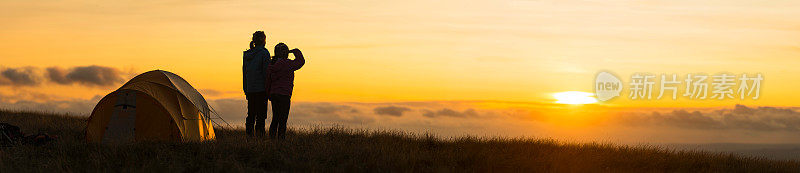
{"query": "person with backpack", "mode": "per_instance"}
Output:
(281, 82)
(255, 65)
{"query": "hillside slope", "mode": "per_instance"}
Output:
(348, 150)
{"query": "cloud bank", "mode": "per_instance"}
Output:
(391, 110)
(740, 117)
(23, 76)
(739, 123)
(87, 75)
(450, 113)
(92, 75)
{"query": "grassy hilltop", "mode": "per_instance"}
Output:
(342, 150)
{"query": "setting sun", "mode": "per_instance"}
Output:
(574, 97)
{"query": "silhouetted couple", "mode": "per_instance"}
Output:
(268, 79)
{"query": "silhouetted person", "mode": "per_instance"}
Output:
(255, 68)
(281, 82)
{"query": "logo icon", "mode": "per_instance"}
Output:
(607, 86)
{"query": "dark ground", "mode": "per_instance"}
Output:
(340, 150)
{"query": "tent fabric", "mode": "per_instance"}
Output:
(187, 90)
(166, 107)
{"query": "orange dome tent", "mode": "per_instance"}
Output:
(156, 105)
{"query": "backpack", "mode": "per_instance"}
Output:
(9, 134)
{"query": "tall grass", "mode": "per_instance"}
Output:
(341, 149)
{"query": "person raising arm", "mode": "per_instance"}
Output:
(298, 61)
(281, 75)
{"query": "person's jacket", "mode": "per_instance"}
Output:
(281, 75)
(254, 68)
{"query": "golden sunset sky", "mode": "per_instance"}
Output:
(417, 50)
(461, 61)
